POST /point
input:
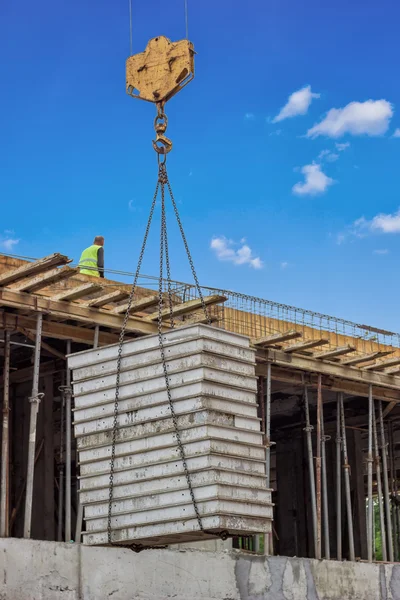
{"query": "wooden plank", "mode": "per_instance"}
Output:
(306, 345)
(107, 298)
(78, 292)
(33, 268)
(186, 307)
(76, 312)
(384, 364)
(356, 360)
(334, 353)
(137, 305)
(43, 344)
(298, 378)
(276, 338)
(314, 365)
(389, 409)
(45, 279)
(60, 331)
(393, 370)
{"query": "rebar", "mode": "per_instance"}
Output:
(338, 483)
(386, 486)
(308, 429)
(369, 464)
(346, 468)
(5, 442)
(379, 487)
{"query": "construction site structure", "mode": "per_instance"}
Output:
(328, 395)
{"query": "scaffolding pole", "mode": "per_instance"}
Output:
(386, 486)
(379, 486)
(68, 414)
(369, 466)
(268, 538)
(5, 442)
(308, 429)
(324, 439)
(61, 473)
(34, 402)
(338, 483)
(346, 468)
(318, 466)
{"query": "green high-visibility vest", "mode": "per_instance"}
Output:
(89, 259)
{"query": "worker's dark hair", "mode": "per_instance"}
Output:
(98, 240)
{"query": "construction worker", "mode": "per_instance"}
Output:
(92, 259)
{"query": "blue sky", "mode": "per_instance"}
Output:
(270, 204)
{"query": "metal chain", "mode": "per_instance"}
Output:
(203, 304)
(164, 238)
(164, 362)
(119, 360)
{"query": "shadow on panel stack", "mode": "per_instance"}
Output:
(213, 387)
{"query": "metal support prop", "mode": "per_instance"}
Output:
(338, 483)
(318, 466)
(268, 425)
(379, 487)
(346, 468)
(393, 485)
(68, 414)
(386, 486)
(308, 429)
(61, 473)
(5, 442)
(96, 337)
(34, 401)
(324, 439)
(369, 464)
(268, 537)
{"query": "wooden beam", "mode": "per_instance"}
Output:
(393, 371)
(33, 268)
(195, 320)
(137, 305)
(334, 353)
(47, 347)
(334, 384)
(107, 298)
(45, 279)
(389, 409)
(390, 362)
(76, 312)
(356, 360)
(306, 345)
(276, 338)
(186, 307)
(60, 331)
(78, 292)
(314, 365)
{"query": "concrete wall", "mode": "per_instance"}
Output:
(35, 570)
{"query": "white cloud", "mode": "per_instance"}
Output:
(381, 252)
(7, 242)
(328, 156)
(249, 117)
(357, 118)
(276, 132)
(316, 182)
(284, 265)
(397, 133)
(342, 147)
(225, 251)
(381, 223)
(298, 104)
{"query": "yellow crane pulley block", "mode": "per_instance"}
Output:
(156, 75)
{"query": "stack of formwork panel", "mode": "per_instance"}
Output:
(213, 386)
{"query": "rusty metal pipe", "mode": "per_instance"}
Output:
(379, 486)
(346, 468)
(386, 486)
(308, 429)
